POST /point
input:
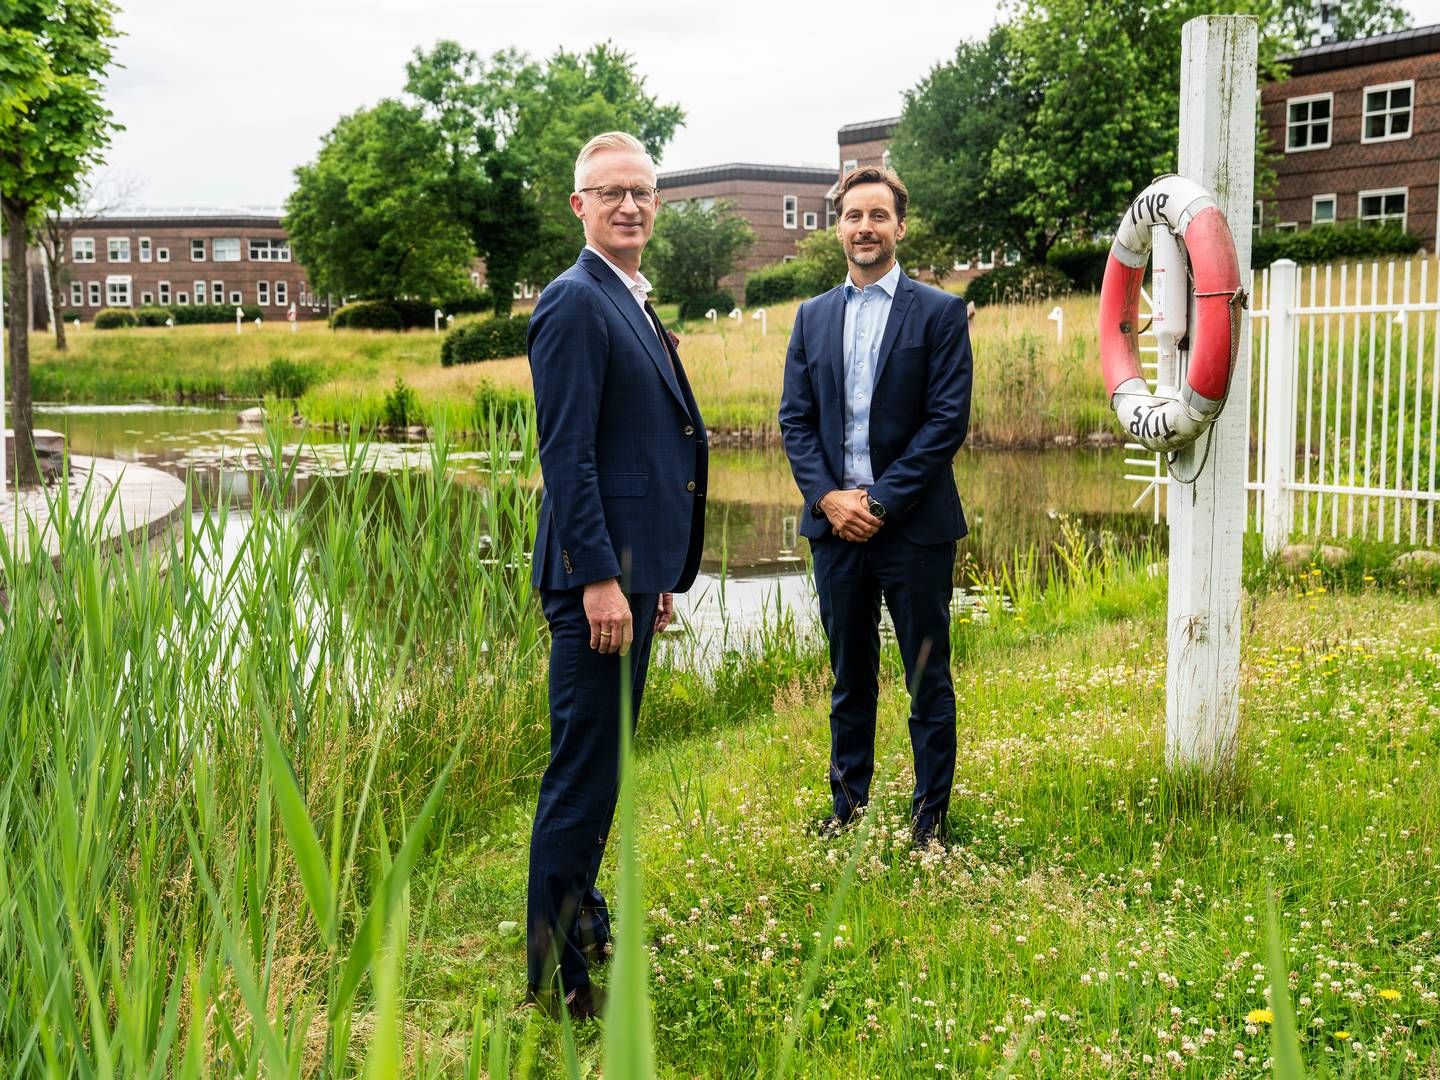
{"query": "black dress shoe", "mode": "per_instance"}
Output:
(584, 1003)
(929, 831)
(827, 828)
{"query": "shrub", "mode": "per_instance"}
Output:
(696, 306)
(197, 314)
(1330, 242)
(795, 280)
(402, 406)
(70, 315)
(1017, 285)
(114, 318)
(286, 379)
(154, 316)
(414, 314)
(475, 303)
(1083, 264)
(486, 339)
(367, 315)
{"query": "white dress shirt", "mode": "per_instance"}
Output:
(636, 286)
(867, 311)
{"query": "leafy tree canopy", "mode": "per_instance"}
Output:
(694, 246)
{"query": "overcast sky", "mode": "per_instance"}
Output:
(220, 103)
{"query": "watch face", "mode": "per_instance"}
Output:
(876, 509)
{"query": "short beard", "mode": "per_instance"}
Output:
(880, 254)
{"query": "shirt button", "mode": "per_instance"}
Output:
(690, 486)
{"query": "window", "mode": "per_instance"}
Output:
(217, 292)
(225, 249)
(885, 159)
(162, 254)
(517, 293)
(848, 166)
(182, 299)
(144, 249)
(985, 261)
(1387, 112)
(119, 249)
(82, 249)
(812, 219)
(829, 213)
(270, 250)
(262, 292)
(791, 205)
(1257, 216)
(1286, 226)
(147, 298)
(200, 292)
(164, 292)
(282, 293)
(1307, 122)
(197, 251)
(789, 258)
(474, 278)
(117, 291)
(77, 294)
(961, 265)
(237, 297)
(94, 294)
(1383, 207)
(1009, 256)
(1322, 210)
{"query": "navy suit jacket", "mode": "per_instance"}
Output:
(919, 413)
(622, 445)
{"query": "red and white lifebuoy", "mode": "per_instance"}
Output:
(1173, 416)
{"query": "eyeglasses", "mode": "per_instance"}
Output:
(614, 195)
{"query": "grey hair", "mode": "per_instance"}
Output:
(611, 140)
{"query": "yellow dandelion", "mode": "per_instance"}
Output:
(1390, 995)
(1260, 1016)
(1342, 1035)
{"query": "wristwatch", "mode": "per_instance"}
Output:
(876, 508)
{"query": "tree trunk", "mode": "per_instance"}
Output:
(27, 472)
(56, 305)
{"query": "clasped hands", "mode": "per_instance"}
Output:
(612, 628)
(849, 515)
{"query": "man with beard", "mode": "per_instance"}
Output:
(875, 405)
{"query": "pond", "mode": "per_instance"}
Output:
(754, 557)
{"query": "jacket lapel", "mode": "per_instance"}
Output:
(630, 311)
(904, 293)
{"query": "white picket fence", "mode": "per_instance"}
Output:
(1354, 396)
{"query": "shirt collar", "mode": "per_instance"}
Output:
(631, 283)
(889, 283)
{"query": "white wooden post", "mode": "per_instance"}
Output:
(1207, 517)
(1279, 433)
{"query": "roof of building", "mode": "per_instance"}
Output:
(866, 130)
(1343, 54)
(191, 215)
(739, 170)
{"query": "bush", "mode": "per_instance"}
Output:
(696, 306)
(367, 315)
(486, 339)
(795, 280)
(476, 303)
(114, 318)
(154, 316)
(1083, 264)
(70, 315)
(402, 406)
(198, 314)
(1017, 284)
(286, 379)
(1330, 242)
(414, 314)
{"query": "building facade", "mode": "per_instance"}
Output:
(173, 258)
(783, 204)
(1355, 133)
(866, 143)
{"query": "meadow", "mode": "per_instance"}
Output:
(266, 813)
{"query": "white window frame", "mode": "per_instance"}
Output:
(146, 299)
(789, 258)
(262, 293)
(1381, 192)
(145, 249)
(829, 213)
(1316, 200)
(849, 166)
(197, 245)
(215, 249)
(1287, 226)
(182, 299)
(117, 291)
(217, 292)
(1257, 218)
(273, 249)
(885, 158)
(94, 294)
(1329, 122)
(237, 297)
(961, 265)
(117, 249)
(82, 249)
(199, 290)
(985, 261)
(1387, 112)
(164, 288)
(790, 211)
(77, 294)
(282, 293)
(162, 254)
(811, 220)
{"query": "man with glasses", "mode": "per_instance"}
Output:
(624, 458)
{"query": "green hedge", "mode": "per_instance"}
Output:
(486, 339)
(111, 318)
(70, 315)
(198, 314)
(695, 307)
(153, 316)
(1017, 284)
(779, 282)
(1328, 243)
(367, 315)
(1083, 264)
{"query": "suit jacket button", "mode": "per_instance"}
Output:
(689, 430)
(690, 486)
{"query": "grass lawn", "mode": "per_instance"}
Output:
(1097, 916)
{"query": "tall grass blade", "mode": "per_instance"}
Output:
(1284, 1034)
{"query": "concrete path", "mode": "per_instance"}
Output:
(145, 502)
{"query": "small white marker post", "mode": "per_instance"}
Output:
(1207, 517)
(239, 318)
(1057, 316)
(764, 322)
(713, 315)
(438, 316)
(736, 314)
(293, 316)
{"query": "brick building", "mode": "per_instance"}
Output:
(180, 257)
(866, 143)
(1355, 133)
(783, 204)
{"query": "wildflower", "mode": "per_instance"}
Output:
(1260, 1016)
(1342, 1035)
(1390, 995)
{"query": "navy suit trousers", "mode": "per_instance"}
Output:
(915, 582)
(580, 787)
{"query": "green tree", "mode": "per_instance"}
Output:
(926, 249)
(693, 248)
(369, 217)
(824, 257)
(1294, 24)
(54, 127)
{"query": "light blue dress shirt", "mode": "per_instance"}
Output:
(867, 311)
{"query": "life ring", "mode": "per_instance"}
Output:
(1172, 417)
